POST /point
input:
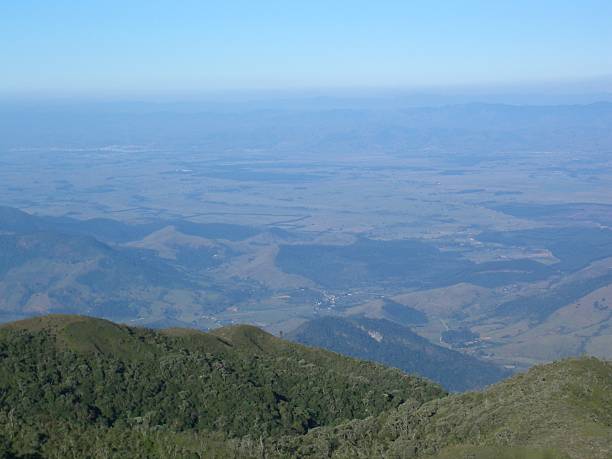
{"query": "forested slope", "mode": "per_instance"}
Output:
(72, 386)
(64, 374)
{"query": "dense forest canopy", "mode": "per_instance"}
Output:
(71, 386)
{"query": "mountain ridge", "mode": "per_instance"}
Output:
(73, 385)
(392, 344)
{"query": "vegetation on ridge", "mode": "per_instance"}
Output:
(60, 375)
(555, 410)
(77, 387)
(383, 341)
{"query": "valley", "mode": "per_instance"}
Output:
(294, 230)
(507, 240)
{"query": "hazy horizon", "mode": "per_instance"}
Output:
(564, 93)
(113, 50)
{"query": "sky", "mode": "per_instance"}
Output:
(182, 46)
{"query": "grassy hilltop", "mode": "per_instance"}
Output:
(73, 386)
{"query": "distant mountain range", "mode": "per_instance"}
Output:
(394, 345)
(65, 265)
(80, 387)
(463, 129)
(53, 264)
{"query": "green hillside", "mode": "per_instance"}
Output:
(555, 411)
(72, 386)
(61, 376)
(391, 344)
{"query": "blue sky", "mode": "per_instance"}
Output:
(165, 46)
